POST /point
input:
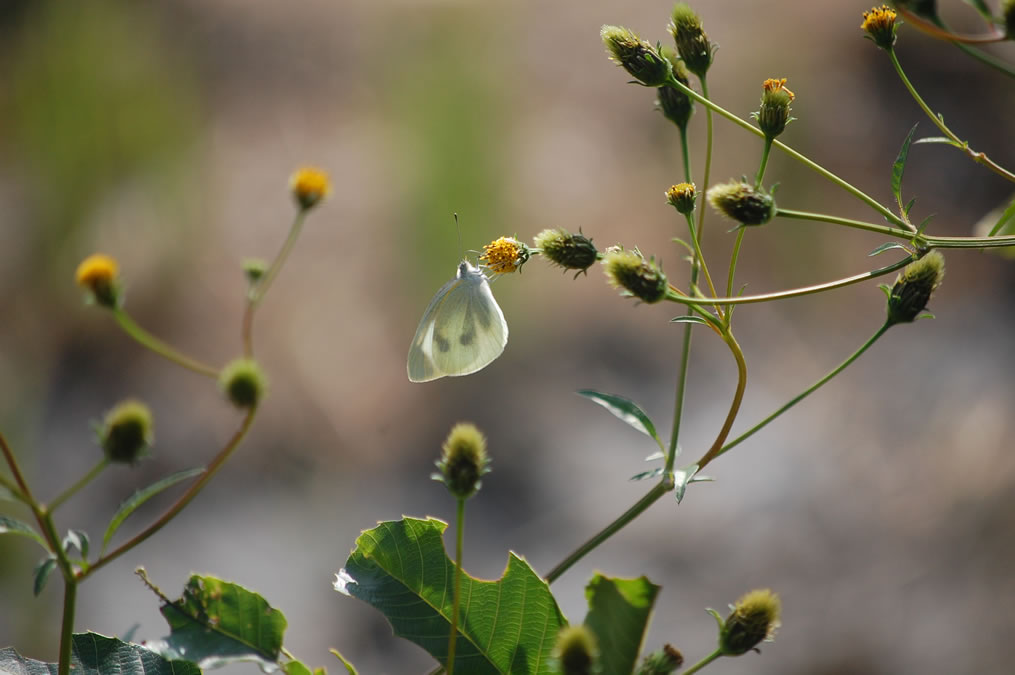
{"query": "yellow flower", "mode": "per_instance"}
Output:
(772, 85)
(682, 197)
(99, 273)
(309, 186)
(505, 255)
(879, 24)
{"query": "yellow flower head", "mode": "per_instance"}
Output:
(504, 255)
(309, 186)
(772, 85)
(682, 197)
(879, 24)
(773, 116)
(99, 274)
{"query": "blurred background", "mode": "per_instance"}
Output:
(881, 509)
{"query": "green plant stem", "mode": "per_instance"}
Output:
(699, 257)
(161, 348)
(978, 157)
(796, 292)
(738, 398)
(734, 257)
(85, 480)
(12, 488)
(70, 594)
(12, 463)
(856, 192)
(459, 535)
(260, 289)
(708, 169)
(653, 495)
(704, 662)
(182, 502)
(765, 152)
(806, 392)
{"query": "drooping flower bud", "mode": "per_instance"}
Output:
(742, 202)
(913, 288)
(576, 651)
(639, 58)
(567, 250)
(663, 662)
(691, 40)
(676, 106)
(243, 382)
(635, 276)
(126, 433)
(755, 617)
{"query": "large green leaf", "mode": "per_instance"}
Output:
(626, 410)
(131, 504)
(505, 626)
(217, 622)
(14, 526)
(94, 654)
(619, 612)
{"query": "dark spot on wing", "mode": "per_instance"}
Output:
(467, 337)
(442, 342)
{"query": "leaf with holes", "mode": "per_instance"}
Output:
(94, 654)
(505, 626)
(619, 612)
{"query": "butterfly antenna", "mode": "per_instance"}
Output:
(458, 229)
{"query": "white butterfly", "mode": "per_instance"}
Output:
(462, 330)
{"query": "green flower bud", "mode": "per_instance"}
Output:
(913, 288)
(682, 197)
(126, 434)
(663, 662)
(742, 202)
(773, 116)
(254, 269)
(639, 58)
(100, 275)
(754, 618)
(464, 461)
(576, 651)
(570, 251)
(243, 382)
(635, 276)
(691, 40)
(880, 26)
(677, 106)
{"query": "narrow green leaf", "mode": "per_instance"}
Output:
(626, 410)
(924, 223)
(887, 247)
(619, 612)
(689, 318)
(131, 504)
(908, 207)
(658, 454)
(216, 623)
(296, 668)
(682, 478)
(42, 572)
(899, 167)
(1006, 217)
(76, 539)
(938, 139)
(14, 526)
(506, 626)
(645, 475)
(94, 654)
(348, 666)
(981, 7)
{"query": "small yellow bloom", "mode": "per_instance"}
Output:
(772, 85)
(309, 186)
(879, 24)
(99, 273)
(682, 197)
(504, 255)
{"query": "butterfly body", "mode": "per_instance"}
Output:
(462, 330)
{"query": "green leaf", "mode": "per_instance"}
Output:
(619, 612)
(887, 247)
(689, 318)
(14, 526)
(682, 478)
(42, 572)
(131, 504)
(94, 654)
(217, 622)
(938, 139)
(625, 409)
(981, 7)
(348, 666)
(924, 223)
(908, 207)
(645, 475)
(77, 539)
(899, 167)
(505, 626)
(1006, 217)
(296, 668)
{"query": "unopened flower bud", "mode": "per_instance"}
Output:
(742, 202)
(754, 618)
(570, 251)
(773, 116)
(691, 40)
(254, 269)
(639, 58)
(464, 461)
(99, 274)
(677, 106)
(505, 255)
(663, 662)
(309, 186)
(682, 197)
(635, 276)
(880, 26)
(243, 382)
(914, 287)
(576, 651)
(126, 433)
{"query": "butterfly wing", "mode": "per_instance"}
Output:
(462, 330)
